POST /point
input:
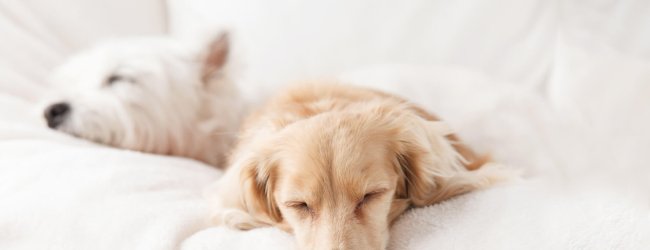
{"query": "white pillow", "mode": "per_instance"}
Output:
(287, 40)
(620, 25)
(604, 95)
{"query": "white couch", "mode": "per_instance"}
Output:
(559, 89)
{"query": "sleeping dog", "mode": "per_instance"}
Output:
(156, 95)
(336, 165)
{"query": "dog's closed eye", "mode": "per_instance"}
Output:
(300, 207)
(115, 78)
(369, 197)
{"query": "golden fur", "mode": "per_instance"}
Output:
(336, 165)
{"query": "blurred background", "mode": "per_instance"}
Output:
(557, 88)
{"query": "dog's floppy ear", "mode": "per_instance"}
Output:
(216, 56)
(431, 168)
(257, 183)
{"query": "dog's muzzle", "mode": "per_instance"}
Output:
(56, 114)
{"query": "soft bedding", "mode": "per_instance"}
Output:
(571, 114)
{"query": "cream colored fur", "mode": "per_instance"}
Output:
(336, 165)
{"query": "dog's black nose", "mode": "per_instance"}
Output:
(56, 113)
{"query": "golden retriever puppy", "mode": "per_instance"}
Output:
(336, 165)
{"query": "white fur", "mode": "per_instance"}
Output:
(162, 106)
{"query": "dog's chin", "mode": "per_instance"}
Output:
(97, 135)
(87, 136)
(149, 142)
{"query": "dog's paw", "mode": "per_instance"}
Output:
(236, 219)
(494, 173)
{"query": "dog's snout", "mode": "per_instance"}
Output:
(56, 113)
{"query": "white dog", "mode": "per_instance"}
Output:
(156, 95)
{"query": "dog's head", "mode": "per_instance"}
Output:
(145, 94)
(338, 180)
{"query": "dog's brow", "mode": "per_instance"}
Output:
(296, 195)
(377, 187)
(376, 190)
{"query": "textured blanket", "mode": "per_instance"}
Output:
(572, 117)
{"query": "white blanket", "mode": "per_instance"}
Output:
(572, 114)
